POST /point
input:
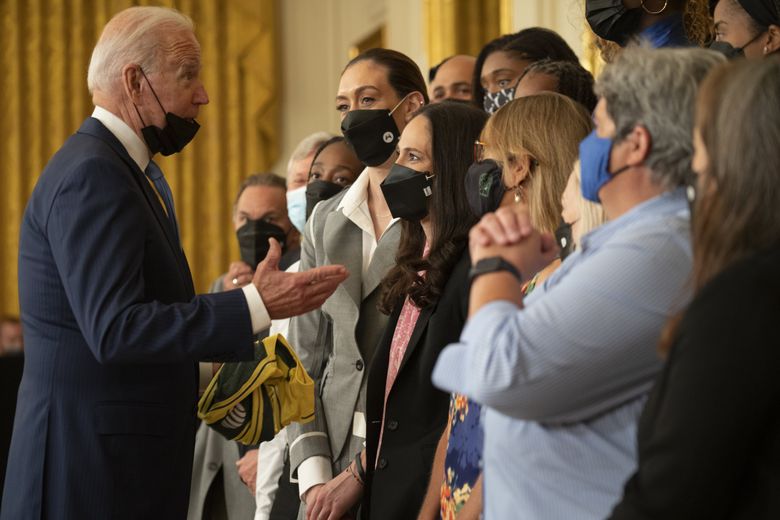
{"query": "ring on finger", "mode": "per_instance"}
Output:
(235, 281)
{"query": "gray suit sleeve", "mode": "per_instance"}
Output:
(311, 336)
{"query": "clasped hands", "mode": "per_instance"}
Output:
(286, 294)
(507, 233)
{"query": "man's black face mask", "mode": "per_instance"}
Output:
(253, 240)
(176, 134)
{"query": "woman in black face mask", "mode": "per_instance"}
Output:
(333, 167)
(426, 295)
(502, 61)
(749, 28)
(378, 94)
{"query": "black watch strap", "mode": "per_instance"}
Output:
(493, 264)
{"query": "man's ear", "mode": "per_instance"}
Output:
(773, 39)
(639, 142)
(413, 103)
(131, 82)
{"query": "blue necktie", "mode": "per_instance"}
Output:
(161, 185)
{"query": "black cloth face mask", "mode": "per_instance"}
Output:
(564, 239)
(406, 192)
(612, 20)
(253, 240)
(319, 190)
(731, 52)
(484, 187)
(372, 133)
(178, 131)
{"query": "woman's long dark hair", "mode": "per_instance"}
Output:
(454, 128)
(533, 44)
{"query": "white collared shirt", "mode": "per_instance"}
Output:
(355, 207)
(139, 152)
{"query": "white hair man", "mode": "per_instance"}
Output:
(105, 418)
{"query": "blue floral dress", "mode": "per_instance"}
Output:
(463, 461)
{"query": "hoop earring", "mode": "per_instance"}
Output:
(648, 11)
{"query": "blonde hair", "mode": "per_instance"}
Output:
(549, 128)
(137, 35)
(591, 214)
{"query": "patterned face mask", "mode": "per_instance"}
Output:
(496, 100)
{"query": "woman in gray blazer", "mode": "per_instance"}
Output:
(378, 94)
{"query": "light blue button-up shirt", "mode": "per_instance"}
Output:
(564, 379)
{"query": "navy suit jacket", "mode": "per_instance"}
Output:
(105, 420)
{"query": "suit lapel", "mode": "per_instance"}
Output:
(417, 333)
(95, 128)
(343, 244)
(383, 259)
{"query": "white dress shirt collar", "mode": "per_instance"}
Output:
(127, 137)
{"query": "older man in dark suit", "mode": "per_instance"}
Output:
(105, 421)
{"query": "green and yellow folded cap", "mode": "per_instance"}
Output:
(251, 401)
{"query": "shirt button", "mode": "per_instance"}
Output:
(359, 364)
(392, 425)
(382, 464)
(213, 466)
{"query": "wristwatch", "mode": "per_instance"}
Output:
(493, 264)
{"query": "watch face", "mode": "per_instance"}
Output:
(490, 264)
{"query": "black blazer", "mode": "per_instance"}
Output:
(709, 437)
(416, 411)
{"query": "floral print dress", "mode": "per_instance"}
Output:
(463, 461)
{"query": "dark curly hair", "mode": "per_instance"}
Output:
(574, 81)
(454, 128)
(533, 44)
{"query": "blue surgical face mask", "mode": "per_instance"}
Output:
(296, 207)
(594, 165)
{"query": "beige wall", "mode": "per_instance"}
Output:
(316, 35)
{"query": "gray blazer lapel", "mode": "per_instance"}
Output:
(343, 244)
(383, 259)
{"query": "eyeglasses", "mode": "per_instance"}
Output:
(479, 151)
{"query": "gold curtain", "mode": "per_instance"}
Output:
(463, 26)
(46, 46)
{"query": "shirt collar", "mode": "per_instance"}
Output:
(669, 202)
(127, 137)
(356, 194)
(354, 205)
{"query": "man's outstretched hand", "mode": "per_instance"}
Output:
(290, 294)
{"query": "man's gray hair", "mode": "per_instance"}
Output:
(135, 35)
(656, 89)
(308, 145)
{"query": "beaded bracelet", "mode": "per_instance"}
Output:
(359, 466)
(354, 475)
